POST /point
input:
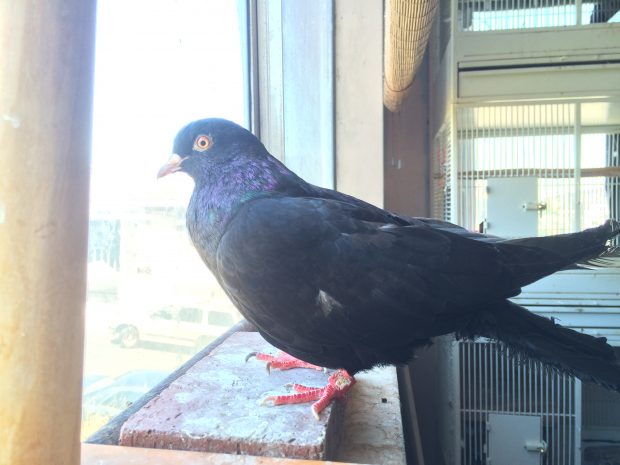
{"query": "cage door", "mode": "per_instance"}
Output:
(512, 207)
(515, 439)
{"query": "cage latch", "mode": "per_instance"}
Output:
(539, 446)
(534, 206)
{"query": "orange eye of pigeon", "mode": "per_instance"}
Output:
(202, 143)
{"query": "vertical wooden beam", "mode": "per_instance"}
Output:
(46, 68)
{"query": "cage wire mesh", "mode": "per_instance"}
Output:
(601, 407)
(575, 166)
(571, 154)
(493, 380)
(441, 165)
(497, 15)
(600, 424)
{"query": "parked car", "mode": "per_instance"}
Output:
(186, 326)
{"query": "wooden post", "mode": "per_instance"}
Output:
(46, 68)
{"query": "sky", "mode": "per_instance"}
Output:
(159, 64)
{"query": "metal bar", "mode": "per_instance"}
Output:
(464, 161)
(540, 155)
(512, 382)
(577, 205)
(487, 378)
(578, 414)
(540, 405)
(532, 153)
(513, 139)
(453, 91)
(546, 405)
(536, 389)
(492, 389)
(529, 389)
(553, 156)
(496, 372)
(478, 405)
(460, 394)
(502, 356)
(252, 86)
(469, 401)
(568, 200)
(553, 407)
(571, 386)
(519, 403)
(449, 177)
(555, 162)
(461, 450)
(518, 140)
(564, 418)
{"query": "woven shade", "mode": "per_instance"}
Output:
(407, 27)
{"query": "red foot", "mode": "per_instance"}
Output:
(282, 361)
(338, 384)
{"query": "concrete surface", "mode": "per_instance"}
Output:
(214, 407)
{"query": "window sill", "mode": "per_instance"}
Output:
(370, 431)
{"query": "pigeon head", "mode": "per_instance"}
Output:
(204, 144)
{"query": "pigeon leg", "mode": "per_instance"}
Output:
(282, 361)
(338, 384)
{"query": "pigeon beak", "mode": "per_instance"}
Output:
(173, 165)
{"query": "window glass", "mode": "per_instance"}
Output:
(192, 315)
(159, 65)
(217, 318)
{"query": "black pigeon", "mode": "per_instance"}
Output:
(339, 283)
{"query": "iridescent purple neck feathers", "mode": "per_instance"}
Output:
(219, 193)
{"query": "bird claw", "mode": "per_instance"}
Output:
(338, 384)
(259, 356)
(282, 361)
(268, 401)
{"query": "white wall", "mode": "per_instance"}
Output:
(359, 98)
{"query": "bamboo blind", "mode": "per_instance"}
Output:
(407, 28)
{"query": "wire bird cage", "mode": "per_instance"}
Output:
(527, 169)
(497, 385)
(564, 168)
(495, 15)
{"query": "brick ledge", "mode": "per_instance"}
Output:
(372, 426)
